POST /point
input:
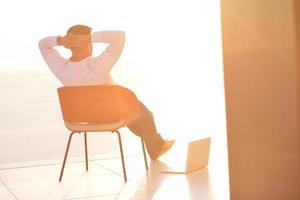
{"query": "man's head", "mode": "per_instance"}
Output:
(79, 30)
(78, 40)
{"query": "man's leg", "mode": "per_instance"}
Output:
(145, 127)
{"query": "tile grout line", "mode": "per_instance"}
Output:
(77, 182)
(93, 196)
(64, 196)
(52, 190)
(105, 195)
(14, 196)
(133, 181)
(99, 165)
(73, 186)
(59, 163)
(94, 161)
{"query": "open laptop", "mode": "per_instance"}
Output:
(195, 156)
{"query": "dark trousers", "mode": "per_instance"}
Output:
(144, 127)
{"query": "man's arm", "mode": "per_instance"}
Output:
(59, 40)
(111, 54)
(51, 56)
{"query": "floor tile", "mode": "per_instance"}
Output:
(135, 166)
(62, 189)
(145, 195)
(47, 172)
(5, 194)
(104, 181)
(92, 185)
(35, 190)
(138, 195)
(192, 186)
(187, 186)
(136, 172)
(104, 197)
(41, 181)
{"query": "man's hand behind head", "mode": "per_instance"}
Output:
(71, 41)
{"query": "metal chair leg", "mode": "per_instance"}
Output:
(65, 158)
(144, 153)
(86, 152)
(122, 155)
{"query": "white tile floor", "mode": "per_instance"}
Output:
(104, 180)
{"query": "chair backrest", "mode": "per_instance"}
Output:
(98, 104)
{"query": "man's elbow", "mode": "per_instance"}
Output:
(122, 37)
(41, 44)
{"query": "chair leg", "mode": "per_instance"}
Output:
(86, 152)
(65, 158)
(144, 153)
(122, 155)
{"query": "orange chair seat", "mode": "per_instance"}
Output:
(90, 127)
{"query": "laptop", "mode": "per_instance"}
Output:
(188, 157)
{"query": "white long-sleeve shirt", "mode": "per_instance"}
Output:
(89, 71)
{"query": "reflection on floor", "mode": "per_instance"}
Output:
(104, 180)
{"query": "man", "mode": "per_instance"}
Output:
(84, 69)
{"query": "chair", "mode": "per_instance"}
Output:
(98, 109)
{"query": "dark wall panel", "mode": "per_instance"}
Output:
(261, 73)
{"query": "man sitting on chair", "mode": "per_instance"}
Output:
(84, 69)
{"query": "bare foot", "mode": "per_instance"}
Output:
(166, 146)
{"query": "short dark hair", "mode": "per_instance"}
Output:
(80, 30)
